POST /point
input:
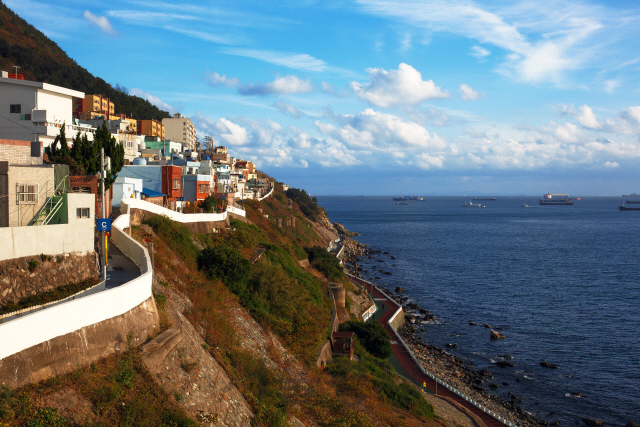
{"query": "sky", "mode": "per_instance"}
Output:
(382, 97)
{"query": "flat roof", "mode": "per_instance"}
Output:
(44, 86)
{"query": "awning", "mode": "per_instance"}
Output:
(152, 193)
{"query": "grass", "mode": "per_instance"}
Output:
(119, 391)
(56, 294)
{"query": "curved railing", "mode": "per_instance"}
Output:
(32, 329)
(266, 195)
(178, 216)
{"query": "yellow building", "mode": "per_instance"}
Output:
(99, 104)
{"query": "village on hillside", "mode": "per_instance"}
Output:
(163, 163)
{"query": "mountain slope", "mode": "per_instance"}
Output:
(41, 59)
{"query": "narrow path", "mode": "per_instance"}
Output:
(411, 368)
(120, 269)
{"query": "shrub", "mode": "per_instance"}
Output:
(324, 262)
(372, 336)
(33, 264)
(226, 263)
(176, 235)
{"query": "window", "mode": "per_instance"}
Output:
(27, 194)
(203, 188)
(83, 213)
(176, 184)
(15, 108)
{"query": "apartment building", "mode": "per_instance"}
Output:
(35, 112)
(180, 129)
(151, 128)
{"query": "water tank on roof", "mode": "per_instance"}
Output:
(140, 161)
(142, 146)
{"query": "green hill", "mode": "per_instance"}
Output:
(41, 59)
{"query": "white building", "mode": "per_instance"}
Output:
(35, 111)
(180, 129)
(126, 188)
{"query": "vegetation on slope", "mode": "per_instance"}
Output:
(118, 390)
(42, 60)
(308, 205)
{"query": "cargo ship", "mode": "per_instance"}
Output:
(631, 195)
(407, 199)
(555, 199)
(628, 208)
(487, 199)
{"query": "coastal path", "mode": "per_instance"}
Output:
(411, 367)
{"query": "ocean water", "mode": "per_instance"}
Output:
(563, 283)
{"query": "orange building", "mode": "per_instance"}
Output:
(151, 128)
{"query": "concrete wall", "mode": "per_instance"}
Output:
(178, 216)
(72, 316)
(18, 152)
(38, 174)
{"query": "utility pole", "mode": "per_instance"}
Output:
(103, 237)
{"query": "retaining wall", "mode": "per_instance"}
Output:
(57, 339)
(18, 242)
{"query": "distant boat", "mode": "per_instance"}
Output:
(489, 199)
(406, 199)
(472, 205)
(632, 202)
(524, 205)
(631, 195)
(551, 199)
(627, 208)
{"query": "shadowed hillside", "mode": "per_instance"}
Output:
(42, 60)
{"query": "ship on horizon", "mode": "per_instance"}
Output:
(408, 199)
(631, 195)
(488, 199)
(551, 199)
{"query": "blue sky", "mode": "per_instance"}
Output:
(383, 96)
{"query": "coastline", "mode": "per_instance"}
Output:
(447, 367)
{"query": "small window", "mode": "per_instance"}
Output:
(176, 184)
(83, 212)
(15, 108)
(27, 194)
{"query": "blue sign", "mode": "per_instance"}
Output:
(181, 199)
(222, 197)
(103, 224)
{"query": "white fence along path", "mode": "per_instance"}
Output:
(184, 218)
(32, 329)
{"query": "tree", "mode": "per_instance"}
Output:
(208, 204)
(228, 264)
(373, 337)
(84, 156)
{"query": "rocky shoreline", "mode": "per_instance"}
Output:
(449, 368)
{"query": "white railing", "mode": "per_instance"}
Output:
(266, 195)
(178, 216)
(57, 320)
(367, 314)
(427, 373)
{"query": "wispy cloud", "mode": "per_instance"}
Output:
(479, 53)
(297, 61)
(467, 93)
(288, 110)
(285, 85)
(101, 22)
(542, 42)
(153, 99)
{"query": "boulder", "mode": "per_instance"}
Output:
(632, 424)
(486, 325)
(592, 422)
(399, 289)
(505, 364)
(549, 365)
(505, 356)
(485, 373)
(450, 345)
(496, 335)
(472, 323)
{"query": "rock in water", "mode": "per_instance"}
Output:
(486, 325)
(505, 364)
(593, 422)
(399, 289)
(496, 335)
(472, 323)
(546, 364)
(632, 424)
(505, 356)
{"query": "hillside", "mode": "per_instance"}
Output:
(41, 59)
(251, 326)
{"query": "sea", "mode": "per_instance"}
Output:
(561, 282)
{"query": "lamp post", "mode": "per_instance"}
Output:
(16, 67)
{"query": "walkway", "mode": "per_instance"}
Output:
(120, 269)
(408, 365)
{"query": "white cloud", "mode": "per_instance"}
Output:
(611, 85)
(101, 22)
(586, 117)
(288, 110)
(297, 61)
(567, 132)
(216, 79)
(611, 165)
(479, 53)
(153, 99)
(405, 42)
(231, 133)
(371, 130)
(403, 86)
(468, 94)
(542, 42)
(285, 85)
